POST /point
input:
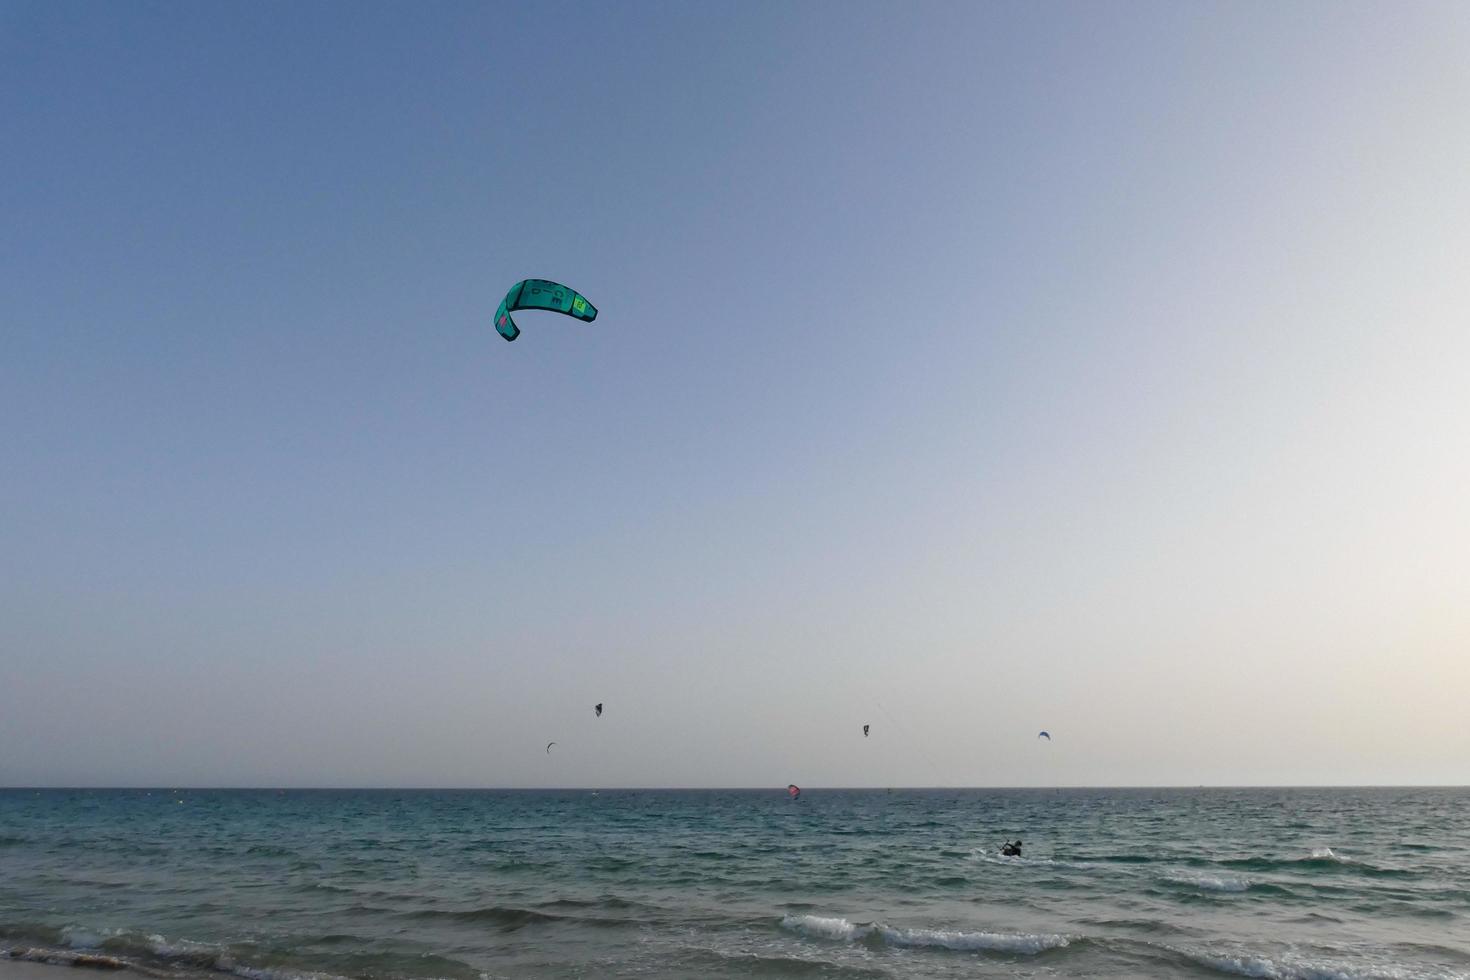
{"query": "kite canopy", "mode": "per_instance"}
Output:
(794, 791)
(541, 294)
(1045, 735)
(597, 709)
(865, 731)
(548, 747)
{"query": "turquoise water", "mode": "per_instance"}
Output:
(1305, 883)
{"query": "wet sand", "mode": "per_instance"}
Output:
(28, 970)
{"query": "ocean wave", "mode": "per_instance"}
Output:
(606, 902)
(1295, 966)
(836, 928)
(1209, 883)
(1123, 858)
(185, 951)
(507, 917)
(511, 918)
(757, 964)
(1328, 858)
(1321, 859)
(79, 937)
(1029, 943)
(823, 926)
(1135, 925)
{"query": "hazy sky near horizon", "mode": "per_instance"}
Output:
(962, 369)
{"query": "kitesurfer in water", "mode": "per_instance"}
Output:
(1012, 850)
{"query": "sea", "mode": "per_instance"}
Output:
(1295, 884)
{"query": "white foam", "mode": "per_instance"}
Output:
(182, 947)
(1209, 883)
(79, 938)
(826, 928)
(1001, 942)
(995, 857)
(1288, 966)
(1326, 854)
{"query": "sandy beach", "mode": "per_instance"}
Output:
(28, 970)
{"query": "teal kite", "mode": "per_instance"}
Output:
(541, 294)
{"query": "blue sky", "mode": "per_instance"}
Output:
(962, 369)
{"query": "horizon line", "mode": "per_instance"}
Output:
(265, 787)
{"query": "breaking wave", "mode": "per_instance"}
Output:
(1293, 966)
(836, 928)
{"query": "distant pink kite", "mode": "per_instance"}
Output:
(794, 791)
